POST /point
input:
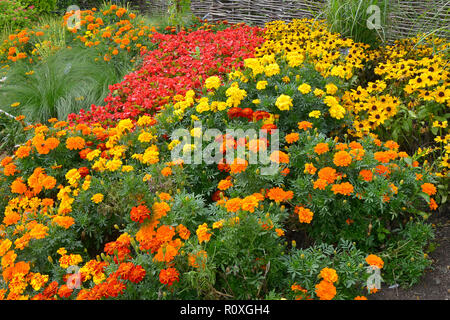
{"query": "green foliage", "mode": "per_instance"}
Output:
(42, 6)
(406, 254)
(14, 14)
(304, 266)
(65, 82)
(11, 133)
(179, 13)
(350, 18)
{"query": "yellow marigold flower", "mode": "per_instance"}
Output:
(331, 88)
(304, 88)
(212, 82)
(218, 224)
(261, 85)
(284, 102)
(93, 154)
(314, 114)
(97, 198)
(145, 137)
(113, 165)
(127, 168)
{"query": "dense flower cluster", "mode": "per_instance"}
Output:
(181, 62)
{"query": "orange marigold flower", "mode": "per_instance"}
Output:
(360, 298)
(238, 165)
(165, 196)
(382, 170)
(224, 184)
(249, 203)
(23, 152)
(355, 145)
(382, 157)
(390, 144)
(233, 205)
(344, 188)
(256, 145)
(357, 154)
(18, 186)
(5, 161)
(64, 221)
(309, 168)
(197, 260)
(305, 125)
(203, 233)
(160, 209)
(341, 146)
(279, 195)
(167, 171)
(329, 274)
(342, 159)
(305, 215)
(320, 184)
(374, 260)
(325, 290)
(64, 291)
(183, 232)
(75, 143)
(428, 188)
(166, 253)
(10, 169)
(321, 148)
(279, 157)
(165, 233)
(433, 204)
(292, 137)
(328, 174)
(367, 175)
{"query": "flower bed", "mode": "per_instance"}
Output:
(247, 185)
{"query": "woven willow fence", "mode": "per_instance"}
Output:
(407, 18)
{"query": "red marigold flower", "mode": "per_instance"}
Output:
(139, 213)
(168, 276)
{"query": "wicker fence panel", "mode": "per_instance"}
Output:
(407, 17)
